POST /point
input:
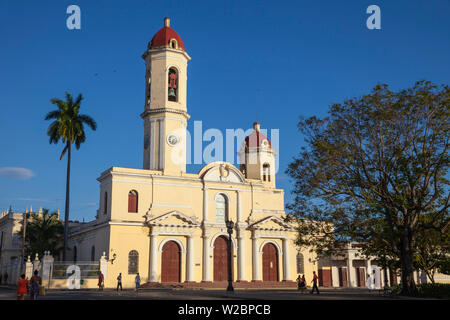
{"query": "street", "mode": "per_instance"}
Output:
(201, 294)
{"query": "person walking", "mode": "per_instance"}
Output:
(314, 280)
(119, 282)
(299, 278)
(22, 287)
(301, 283)
(101, 282)
(138, 281)
(35, 284)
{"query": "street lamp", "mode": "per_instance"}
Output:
(230, 225)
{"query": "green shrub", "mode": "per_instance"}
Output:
(396, 289)
(436, 290)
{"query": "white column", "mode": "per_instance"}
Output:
(241, 257)
(350, 272)
(335, 276)
(240, 237)
(153, 255)
(388, 274)
(206, 270)
(286, 269)
(255, 262)
(205, 204)
(190, 259)
(369, 271)
(238, 210)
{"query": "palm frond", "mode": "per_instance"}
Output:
(88, 120)
(53, 133)
(55, 114)
(69, 99)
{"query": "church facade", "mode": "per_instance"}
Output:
(169, 225)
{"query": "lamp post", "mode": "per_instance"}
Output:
(230, 225)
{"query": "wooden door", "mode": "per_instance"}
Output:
(171, 262)
(221, 259)
(270, 263)
(325, 277)
(393, 277)
(343, 277)
(361, 277)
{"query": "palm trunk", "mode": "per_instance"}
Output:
(66, 213)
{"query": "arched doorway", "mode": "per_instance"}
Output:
(270, 262)
(221, 259)
(171, 262)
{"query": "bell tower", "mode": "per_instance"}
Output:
(257, 157)
(165, 112)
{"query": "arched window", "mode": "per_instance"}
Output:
(221, 208)
(74, 254)
(266, 172)
(173, 43)
(173, 85)
(105, 203)
(148, 89)
(93, 253)
(300, 263)
(133, 262)
(133, 201)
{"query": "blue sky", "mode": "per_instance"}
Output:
(266, 61)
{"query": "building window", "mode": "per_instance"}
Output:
(149, 86)
(133, 201)
(266, 172)
(105, 203)
(173, 43)
(74, 254)
(15, 241)
(221, 208)
(133, 262)
(300, 263)
(93, 253)
(173, 85)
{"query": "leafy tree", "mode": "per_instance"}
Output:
(371, 169)
(432, 250)
(69, 127)
(444, 266)
(44, 232)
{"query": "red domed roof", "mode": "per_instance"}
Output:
(255, 139)
(164, 35)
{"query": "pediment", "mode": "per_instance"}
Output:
(174, 218)
(271, 223)
(221, 171)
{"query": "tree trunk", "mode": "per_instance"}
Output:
(406, 260)
(66, 213)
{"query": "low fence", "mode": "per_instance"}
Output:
(55, 274)
(65, 274)
(88, 269)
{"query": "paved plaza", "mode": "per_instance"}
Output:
(204, 294)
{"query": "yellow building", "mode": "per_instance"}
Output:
(169, 225)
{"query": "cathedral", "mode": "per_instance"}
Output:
(169, 225)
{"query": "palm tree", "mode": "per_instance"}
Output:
(68, 126)
(44, 232)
